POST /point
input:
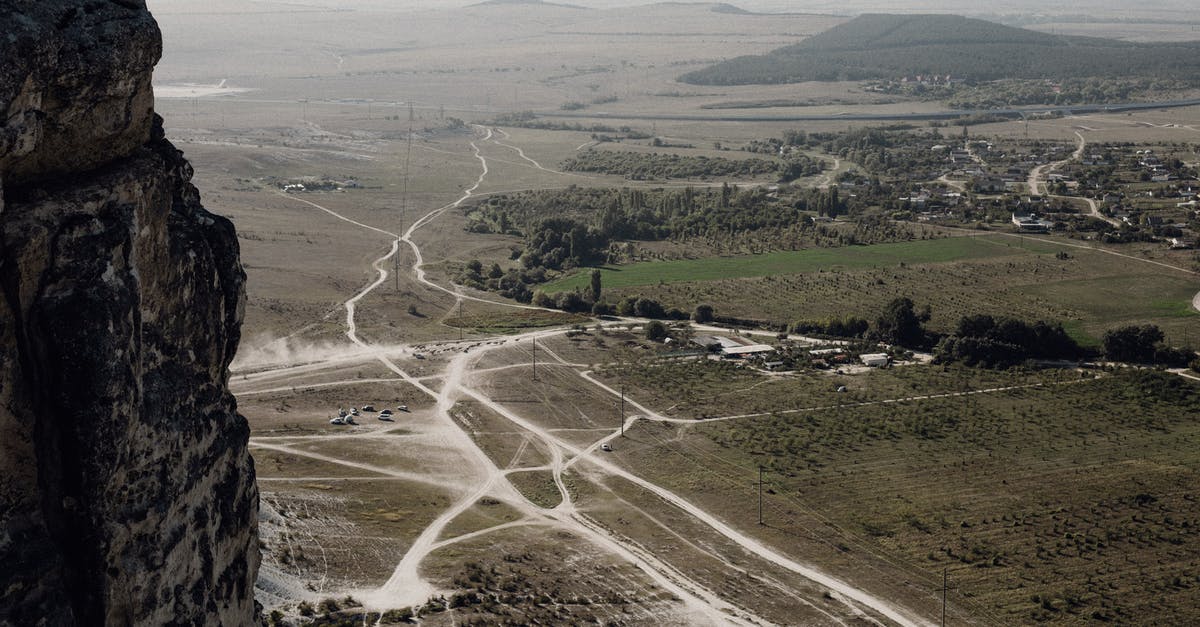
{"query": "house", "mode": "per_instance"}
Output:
(990, 184)
(750, 349)
(874, 360)
(1031, 223)
(729, 347)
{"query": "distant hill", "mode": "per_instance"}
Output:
(494, 3)
(882, 46)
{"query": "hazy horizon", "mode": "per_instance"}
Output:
(1017, 7)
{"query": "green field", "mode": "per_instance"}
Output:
(798, 261)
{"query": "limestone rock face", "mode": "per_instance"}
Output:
(127, 495)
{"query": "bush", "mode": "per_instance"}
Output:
(402, 615)
(648, 308)
(655, 330)
(571, 301)
(703, 313)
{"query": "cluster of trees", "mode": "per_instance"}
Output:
(511, 283)
(582, 221)
(528, 119)
(900, 323)
(1006, 93)
(583, 301)
(850, 326)
(1144, 345)
(646, 166)
(892, 46)
(885, 153)
(982, 340)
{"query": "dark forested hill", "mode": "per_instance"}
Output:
(892, 46)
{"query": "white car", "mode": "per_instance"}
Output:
(402, 407)
(337, 421)
(368, 408)
(606, 447)
(386, 412)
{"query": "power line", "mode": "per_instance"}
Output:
(622, 410)
(404, 192)
(760, 494)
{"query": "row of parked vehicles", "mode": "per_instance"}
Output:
(348, 417)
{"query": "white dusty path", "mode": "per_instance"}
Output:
(406, 586)
(1037, 182)
(480, 476)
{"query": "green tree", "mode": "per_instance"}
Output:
(1132, 343)
(595, 291)
(703, 313)
(899, 324)
(648, 308)
(656, 331)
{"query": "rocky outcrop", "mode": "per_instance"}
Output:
(127, 495)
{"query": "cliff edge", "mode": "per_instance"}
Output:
(127, 495)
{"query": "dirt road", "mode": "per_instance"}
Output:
(480, 476)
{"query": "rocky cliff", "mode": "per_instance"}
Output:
(127, 495)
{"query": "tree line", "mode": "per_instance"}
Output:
(639, 166)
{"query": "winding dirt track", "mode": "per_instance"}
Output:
(482, 477)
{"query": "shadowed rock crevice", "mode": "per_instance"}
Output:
(127, 494)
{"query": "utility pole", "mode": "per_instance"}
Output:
(943, 597)
(622, 410)
(535, 359)
(404, 192)
(460, 321)
(760, 492)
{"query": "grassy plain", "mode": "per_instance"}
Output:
(1089, 292)
(791, 262)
